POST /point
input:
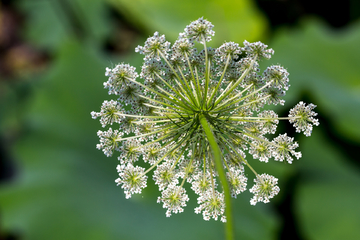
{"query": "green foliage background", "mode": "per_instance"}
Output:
(64, 187)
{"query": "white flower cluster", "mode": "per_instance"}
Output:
(184, 96)
(265, 188)
(173, 198)
(303, 119)
(152, 45)
(199, 30)
(109, 141)
(131, 179)
(212, 205)
(108, 113)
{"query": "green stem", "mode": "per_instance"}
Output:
(229, 229)
(193, 78)
(185, 89)
(156, 92)
(169, 86)
(207, 77)
(243, 75)
(221, 79)
(241, 99)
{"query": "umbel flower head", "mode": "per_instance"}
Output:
(193, 116)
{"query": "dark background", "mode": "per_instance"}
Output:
(54, 184)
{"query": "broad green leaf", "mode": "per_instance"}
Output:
(233, 20)
(65, 187)
(324, 64)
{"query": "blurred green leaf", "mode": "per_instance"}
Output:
(328, 197)
(65, 188)
(64, 19)
(324, 63)
(233, 20)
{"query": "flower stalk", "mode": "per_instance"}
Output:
(222, 176)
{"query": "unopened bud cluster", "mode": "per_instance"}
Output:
(157, 119)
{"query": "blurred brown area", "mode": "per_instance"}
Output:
(18, 58)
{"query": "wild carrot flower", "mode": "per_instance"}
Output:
(193, 115)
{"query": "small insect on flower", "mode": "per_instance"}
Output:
(193, 116)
